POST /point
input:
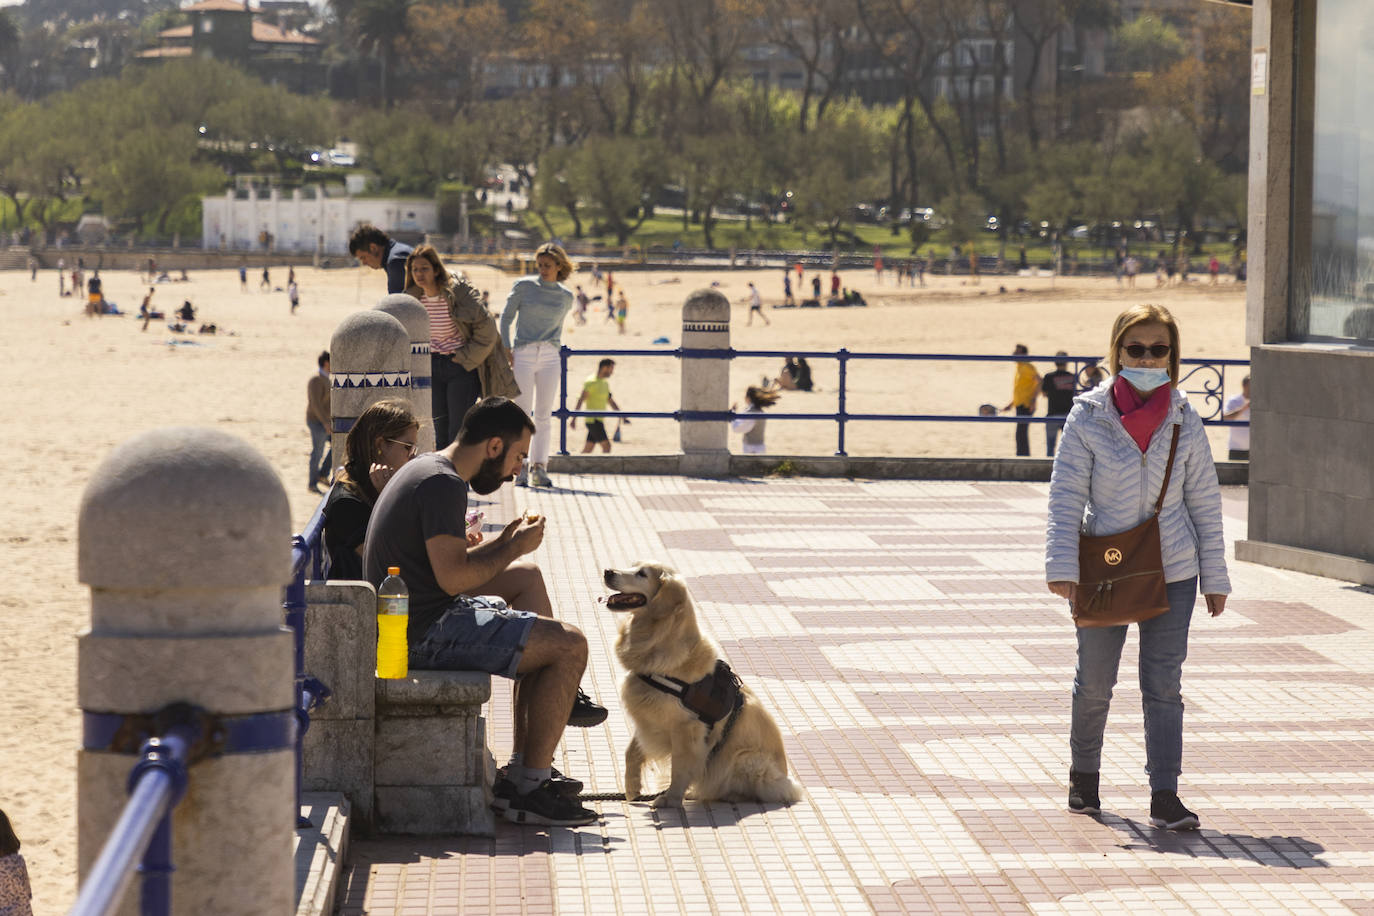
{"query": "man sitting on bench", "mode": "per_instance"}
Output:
(419, 525)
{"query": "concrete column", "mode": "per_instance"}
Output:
(705, 383)
(369, 359)
(184, 540)
(408, 311)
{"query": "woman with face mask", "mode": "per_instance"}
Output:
(1107, 477)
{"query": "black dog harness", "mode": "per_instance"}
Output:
(716, 696)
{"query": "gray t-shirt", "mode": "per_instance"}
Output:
(425, 499)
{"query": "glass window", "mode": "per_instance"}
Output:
(1333, 291)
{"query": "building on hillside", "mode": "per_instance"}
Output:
(1310, 297)
(232, 31)
(307, 220)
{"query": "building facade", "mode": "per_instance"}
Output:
(306, 220)
(1310, 300)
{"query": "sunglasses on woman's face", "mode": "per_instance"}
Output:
(408, 446)
(1136, 351)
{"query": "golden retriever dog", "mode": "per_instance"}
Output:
(738, 757)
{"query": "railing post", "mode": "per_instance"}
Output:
(181, 538)
(369, 360)
(705, 384)
(563, 352)
(843, 356)
(412, 315)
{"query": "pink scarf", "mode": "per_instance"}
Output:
(1141, 416)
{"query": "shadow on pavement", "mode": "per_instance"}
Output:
(1272, 851)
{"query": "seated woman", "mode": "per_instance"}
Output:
(381, 440)
(795, 376)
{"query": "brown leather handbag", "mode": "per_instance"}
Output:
(1121, 576)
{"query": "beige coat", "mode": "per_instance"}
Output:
(482, 348)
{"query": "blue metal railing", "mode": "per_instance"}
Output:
(141, 840)
(306, 550)
(1209, 374)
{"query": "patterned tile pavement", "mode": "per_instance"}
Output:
(920, 671)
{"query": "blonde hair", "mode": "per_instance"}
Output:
(429, 253)
(560, 257)
(1135, 316)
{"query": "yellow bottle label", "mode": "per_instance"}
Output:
(392, 652)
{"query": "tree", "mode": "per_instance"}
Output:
(378, 27)
(815, 33)
(839, 168)
(616, 177)
(448, 46)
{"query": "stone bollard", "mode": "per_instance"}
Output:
(369, 358)
(184, 538)
(705, 384)
(408, 311)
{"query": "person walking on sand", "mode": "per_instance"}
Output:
(61, 276)
(596, 395)
(756, 306)
(1058, 387)
(1109, 477)
(318, 420)
(243, 276)
(532, 328)
(266, 282)
(1024, 391)
(293, 293)
(787, 297)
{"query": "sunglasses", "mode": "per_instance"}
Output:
(1136, 351)
(408, 446)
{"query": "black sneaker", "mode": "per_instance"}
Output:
(586, 713)
(503, 790)
(1168, 812)
(546, 805)
(1083, 797)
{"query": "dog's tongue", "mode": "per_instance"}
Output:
(624, 601)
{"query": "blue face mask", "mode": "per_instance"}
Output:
(1145, 379)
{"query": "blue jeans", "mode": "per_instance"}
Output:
(1163, 647)
(320, 456)
(454, 390)
(1052, 430)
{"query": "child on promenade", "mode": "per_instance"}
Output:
(751, 425)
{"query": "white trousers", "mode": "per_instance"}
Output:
(536, 372)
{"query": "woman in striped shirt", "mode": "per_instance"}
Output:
(462, 337)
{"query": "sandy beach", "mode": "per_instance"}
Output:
(80, 386)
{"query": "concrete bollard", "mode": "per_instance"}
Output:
(705, 383)
(184, 540)
(369, 360)
(408, 311)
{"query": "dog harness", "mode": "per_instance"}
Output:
(716, 696)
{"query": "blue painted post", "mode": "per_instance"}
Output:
(563, 352)
(840, 415)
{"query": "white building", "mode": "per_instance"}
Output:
(306, 219)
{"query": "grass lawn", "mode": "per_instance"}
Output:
(663, 231)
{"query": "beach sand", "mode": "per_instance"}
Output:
(80, 386)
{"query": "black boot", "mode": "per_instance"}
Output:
(1083, 793)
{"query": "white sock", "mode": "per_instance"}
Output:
(531, 778)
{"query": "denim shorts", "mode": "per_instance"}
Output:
(475, 635)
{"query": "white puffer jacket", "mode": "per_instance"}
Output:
(1102, 484)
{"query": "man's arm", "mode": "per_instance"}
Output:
(458, 569)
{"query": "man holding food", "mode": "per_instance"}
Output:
(419, 524)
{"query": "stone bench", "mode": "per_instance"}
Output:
(410, 754)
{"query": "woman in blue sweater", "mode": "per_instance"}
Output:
(537, 307)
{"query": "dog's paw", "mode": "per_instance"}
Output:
(664, 800)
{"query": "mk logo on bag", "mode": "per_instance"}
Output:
(1112, 556)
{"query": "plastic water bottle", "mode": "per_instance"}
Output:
(393, 614)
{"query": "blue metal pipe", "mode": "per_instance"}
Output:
(304, 547)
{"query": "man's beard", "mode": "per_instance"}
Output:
(488, 477)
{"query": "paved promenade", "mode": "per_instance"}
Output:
(902, 635)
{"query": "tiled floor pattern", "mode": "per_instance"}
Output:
(901, 633)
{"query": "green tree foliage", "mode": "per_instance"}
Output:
(412, 152)
(838, 168)
(617, 176)
(1149, 44)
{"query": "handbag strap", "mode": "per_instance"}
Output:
(1168, 469)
